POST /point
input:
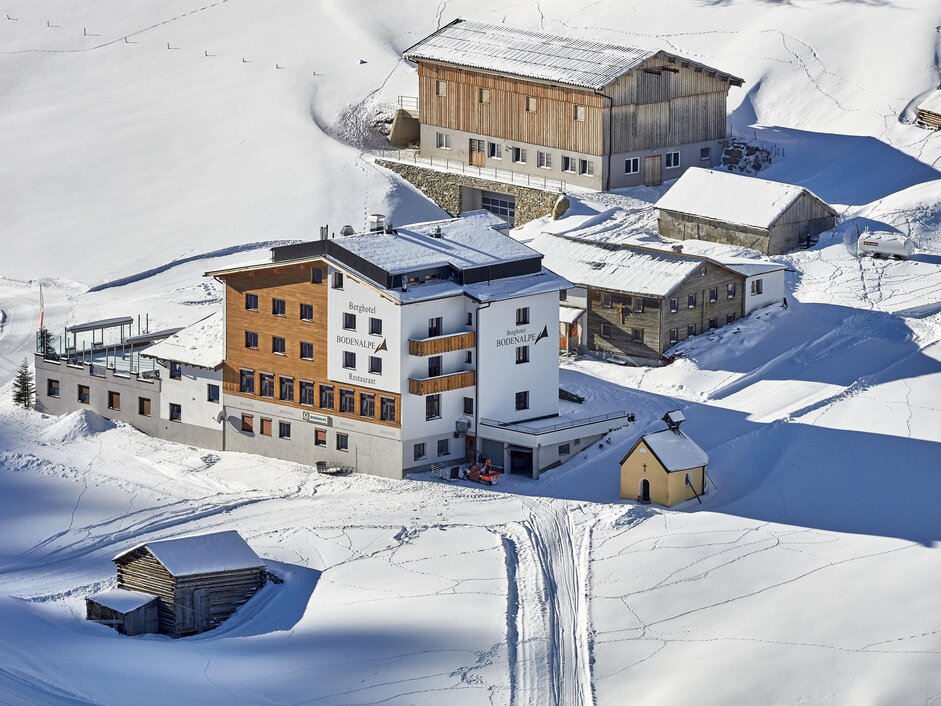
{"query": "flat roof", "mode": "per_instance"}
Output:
(102, 323)
(150, 337)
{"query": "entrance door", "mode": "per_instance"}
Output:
(644, 496)
(477, 154)
(469, 448)
(201, 608)
(521, 463)
(653, 174)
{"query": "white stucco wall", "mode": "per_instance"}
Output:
(191, 393)
(772, 290)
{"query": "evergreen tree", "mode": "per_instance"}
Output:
(23, 387)
(45, 341)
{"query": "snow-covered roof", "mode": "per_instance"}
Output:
(732, 198)
(521, 52)
(202, 553)
(122, 600)
(201, 344)
(751, 268)
(931, 104)
(629, 269)
(569, 314)
(469, 241)
(675, 450)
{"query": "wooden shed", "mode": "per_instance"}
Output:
(199, 581)
(128, 612)
(928, 112)
(767, 216)
(664, 467)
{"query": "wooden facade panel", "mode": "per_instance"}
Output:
(640, 86)
(680, 121)
(804, 208)
(442, 383)
(442, 344)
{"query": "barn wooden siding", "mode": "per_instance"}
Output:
(225, 592)
(135, 622)
(929, 119)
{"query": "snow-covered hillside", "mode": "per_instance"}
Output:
(806, 576)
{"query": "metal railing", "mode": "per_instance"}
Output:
(528, 429)
(503, 176)
(409, 103)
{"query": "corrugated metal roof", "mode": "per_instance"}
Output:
(521, 52)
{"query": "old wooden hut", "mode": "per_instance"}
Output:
(928, 112)
(199, 580)
(767, 216)
(128, 612)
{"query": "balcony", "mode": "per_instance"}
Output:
(442, 344)
(442, 383)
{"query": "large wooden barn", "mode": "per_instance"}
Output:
(767, 216)
(198, 581)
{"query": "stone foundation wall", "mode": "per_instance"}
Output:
(445, 189)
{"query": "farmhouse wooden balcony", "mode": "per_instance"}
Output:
(442, 344)
(442, 383)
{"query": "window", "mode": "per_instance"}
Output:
(705, 154)
(251, 302)
(375, 365)
(673, 335)
(247, 423)
(470, 318)
(714, 294)
(468, 405)
(349, 321)
(585, 167)
(729, 318)
(307, 310)
(730, 290)
(278, 307)
(347, 401)
(284, 430)
(580, 113)
(277, 345)
(247, 381)
(349, 360)
(442, 140)
(212, 393)
(433, 407)
(343, 442)
(544, 160)
(756, 286)
(387, 409)
(637, 335)
(637, 305)
(441, 88)
(444, 447)
(143, 406)
(176, 371)
(476, 145)
(519, 155)
(690, 330)
(307, 393)
(702, 271)
(320, 437)
(563, 295)
(606, 330)
(419, 452)
(690, 301)
(176, 413)
(375, 326)
(316, 275)
(326, 396)
(114, 400)
(434, 327)
(266, 384)
(568, 163)
(307, 351)
(522, 316)
(469, 357)
(367, 405)
(530, 104)
(674, 305)
(52, 388)
(338, 280)
(251, 339)
(83, 394)
(672, 160)
(606, 300)
(564, 450)
(522, 400)
(286, 389)
(713, 323)
(522, 354)
(494, 150)
(484, 95)
(265, 427)
(632, 165)
(434, 366)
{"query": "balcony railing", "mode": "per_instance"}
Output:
(442, 344)
(531, 429)
(442, 383)
(456, 167)
(409, 103)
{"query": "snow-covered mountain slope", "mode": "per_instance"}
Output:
(806, 576)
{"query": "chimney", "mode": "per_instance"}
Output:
(437, 232)
(677, 248)
(376, 223)
(347, 230)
